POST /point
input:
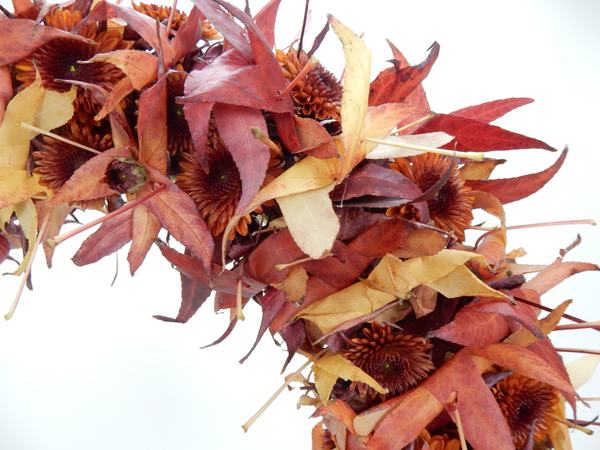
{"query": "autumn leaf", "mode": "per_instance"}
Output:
(490, 111)
(152, 125)
(145, 227)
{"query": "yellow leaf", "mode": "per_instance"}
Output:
(356, 95)
(311, 220)
(18, 186)
(55, 109)
(138, 65)
(355, 301)
(332, 367)
(431, 140)
(462, 282)
(293, 285)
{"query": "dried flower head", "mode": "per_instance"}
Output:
(318, 94)
(450, 209)
(523, 400)
(436, 442)
(397, 362)
(218, 192)
(58, 160)
(125, 176)
(178, 131)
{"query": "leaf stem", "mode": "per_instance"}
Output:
(56, 136)
(253, 419)
(468, 155)
(571, 424)
(577, 326)
(38, 240)
(578, 350)
(53, 242)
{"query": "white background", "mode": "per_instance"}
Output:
(85, 366)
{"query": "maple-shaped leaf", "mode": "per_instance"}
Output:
(555, 274)
(490, 111)
(395, 84)
(152, 125)
(145, 227)
(179, 215)
(188, 35)
(475, 136)
(193, 296)
(509, 190)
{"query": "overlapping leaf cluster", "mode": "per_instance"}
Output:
(325, 231)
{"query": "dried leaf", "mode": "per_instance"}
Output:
(152, 125)
(490, 111)
(145, 227)
(432, 140)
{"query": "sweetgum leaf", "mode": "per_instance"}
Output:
(265, 21)
(152, 125)
(250, 155)
(473, 329)
(490, 111)
(193, 296)
(139, 66)
(509, 190)
(474, 136)
(188, 35)
(555, 274)
(395, 84)
(6, 92)
(113, 234)
(198, 116)
(178, 214)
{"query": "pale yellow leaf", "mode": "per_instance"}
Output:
(332, 367)
(311, 220)
(55, 109)
(356, 95)
(581, 370)
(5, 215)
(462, 282)
(429, 268)
(431, 140)
(18, 186)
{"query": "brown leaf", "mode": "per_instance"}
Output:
(509, 190)
(178, 213)
(113, 234)
(152, 126)
(479, 170)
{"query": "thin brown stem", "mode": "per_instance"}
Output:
(578, 350)
(545, 308)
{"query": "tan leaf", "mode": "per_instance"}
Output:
(581, 370)
(462, 282)
(294, 284)
(311, 220)
(431, 140)
(139, 66)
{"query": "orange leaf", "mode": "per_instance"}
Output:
(145, 228)
(152, 126)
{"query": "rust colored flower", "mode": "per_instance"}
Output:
(58, 160)
(60, 59)
(218, 192)
(397, 362)
(436, 442)
(178, 133)
(125, 176)
(523, 400)
(318, 94)
(450, 209)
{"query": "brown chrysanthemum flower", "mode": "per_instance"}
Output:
(59, 60)
(450, 209)
(178, 131)
(319, 93)
(437, 442)
(58, 160)
(397, 362)
(218, 192)
(125, 176)
(523, 400)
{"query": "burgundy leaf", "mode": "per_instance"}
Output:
(265, 21)
(198, 116)
(193, 295)
(490, 111)
(293, 335)
(271, 304)
(188, 35)
(152, 125)
(509, 190)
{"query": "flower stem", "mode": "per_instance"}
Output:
(549, 224)
(439, 151)
(53, 242)
(578, 326)
(578, 350)
(265, 140)
(571, 424)
(56, 136)
(313, 61)
(253, 419)
(41, 231)
(415, 123)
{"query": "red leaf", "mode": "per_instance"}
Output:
(555, 274)
(279, 248)
(178, 213)
(314, 140)
(271, 304)
(145, 228)
(152, 125)
(265, 21)
(233, 79)
(193, 295)
(188, 35)
(475, 136)
(198, 116)
(524, 361)
(483, 423)
(509, 190)
(251, 156)
(490, 111)
(6, 91)
(285, 124)
(394, 84)
(473, 329)
(417, 97)
(113, 234)
(20, 37)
